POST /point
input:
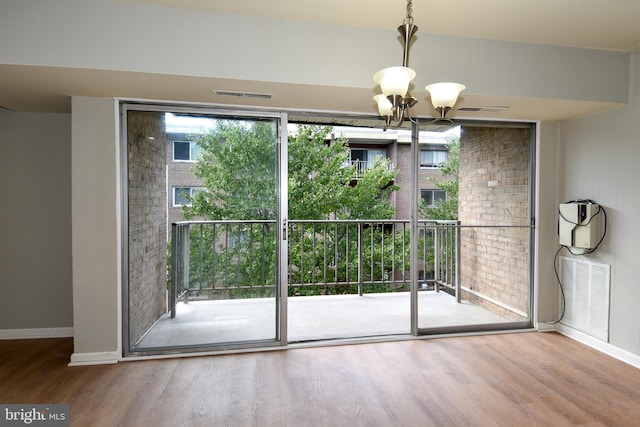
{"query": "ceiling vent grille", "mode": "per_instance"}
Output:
(485, 109)
(243, 94)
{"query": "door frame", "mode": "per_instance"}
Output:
(281, 306)
(281, 153)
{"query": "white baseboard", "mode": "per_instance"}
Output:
(21, 334)
(99, 358)
(546, 327)
(606, 348)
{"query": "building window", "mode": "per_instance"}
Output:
(185, 151)
(182, 195)
(364, 158)
(431, 197)
(432, 158)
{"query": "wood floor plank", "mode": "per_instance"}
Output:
(526, 379)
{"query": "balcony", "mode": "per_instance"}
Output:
(345, 279)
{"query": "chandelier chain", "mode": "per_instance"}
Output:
(409, 18)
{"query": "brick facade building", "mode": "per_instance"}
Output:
(181, 158)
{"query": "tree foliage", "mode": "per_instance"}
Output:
(446, 209)
(320, 176)
(238, 169)
(317, 174)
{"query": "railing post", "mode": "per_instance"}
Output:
(360, 260)
(173, 290)
(457, 268)
(185, 242)
(436, 257)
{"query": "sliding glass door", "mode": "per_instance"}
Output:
(245, 229)
(474, 255)
(203, 241)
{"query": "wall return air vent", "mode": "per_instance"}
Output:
(586, 290)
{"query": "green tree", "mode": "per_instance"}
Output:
(238, 168)
(317, 174)
(320, 177)
(238, 163)
(320, 187)
(446, 209)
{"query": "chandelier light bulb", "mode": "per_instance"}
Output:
(385, 107)
(394, 80)
(444, 95)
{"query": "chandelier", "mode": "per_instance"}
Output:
(395, 101)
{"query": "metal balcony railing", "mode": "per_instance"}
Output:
(362, 166)
(236, 259)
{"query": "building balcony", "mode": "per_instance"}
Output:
(345, 279)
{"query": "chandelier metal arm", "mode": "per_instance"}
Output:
(400, 111)
(443, 111)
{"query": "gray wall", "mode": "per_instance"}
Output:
(113, 35)
(35, 247)
(546, 237)
(95, 214)
(598, 159)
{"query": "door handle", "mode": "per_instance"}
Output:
(284, 229)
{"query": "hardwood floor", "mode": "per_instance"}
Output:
(526, 379)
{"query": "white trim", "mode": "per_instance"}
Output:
(545, 327)
(21, 334)
(606, 348)
(99, 358)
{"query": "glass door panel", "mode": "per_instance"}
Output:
(349, 231)
(202, 205)
(474, 266)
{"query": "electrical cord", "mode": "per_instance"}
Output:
(568, 248)
(563, 302)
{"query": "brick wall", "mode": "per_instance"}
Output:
(494, 190)
(404, 163)
(146, 152)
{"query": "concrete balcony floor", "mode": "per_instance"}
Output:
(310, 318)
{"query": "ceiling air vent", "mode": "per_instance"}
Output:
(485, 109)
(243, 94)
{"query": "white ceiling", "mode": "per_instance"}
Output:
(601, 24)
